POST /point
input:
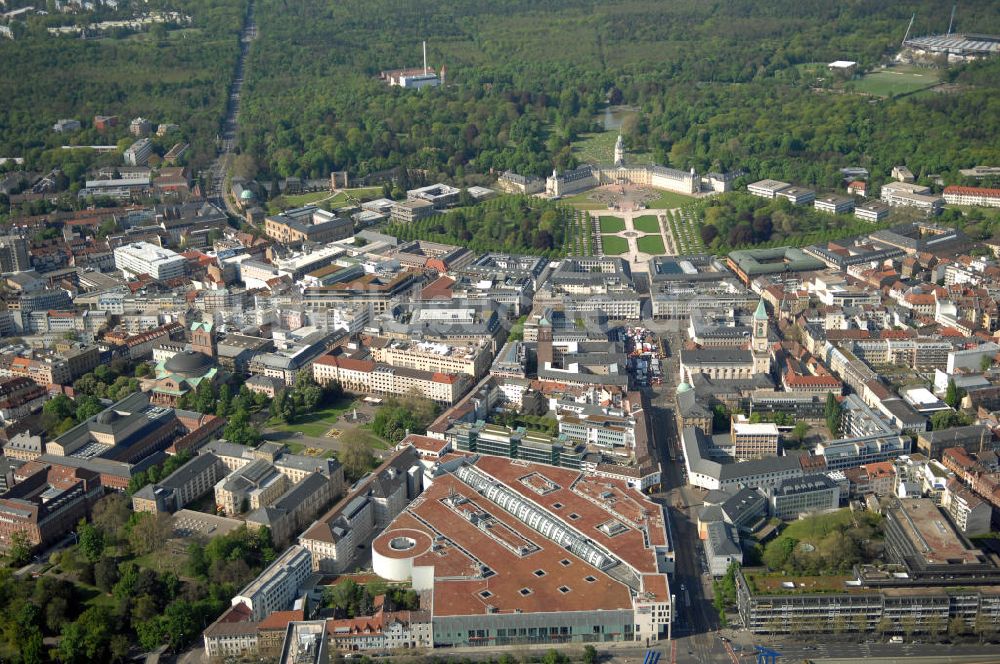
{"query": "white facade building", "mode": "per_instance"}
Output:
(146, 258)
(277, 586)
(138, 153)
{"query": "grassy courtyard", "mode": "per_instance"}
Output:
(614, 245)
(647, 223)
(668, 200)
(316, 423)
(651, 244)
(584, 202)
(612, 224)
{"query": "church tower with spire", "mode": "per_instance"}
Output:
(620, 151)
(759, 345)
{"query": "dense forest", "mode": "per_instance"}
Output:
(717, 85)
(167, 76)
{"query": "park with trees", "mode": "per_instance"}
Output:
(825, 544)
(521, 224)
(118, 588)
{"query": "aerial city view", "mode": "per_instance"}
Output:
(500, 332)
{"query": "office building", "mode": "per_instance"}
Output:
(482, 438)
(46, 504)
(277, 587)
(753, 440)
(412, 210)
(138, 153)
(255, 485)
(796, 195)
(907, 194)
(799, 495)
(367, 376)
(513, 183)
(770, 604)
(298, 506)
(722, 548)
(707, 466)
(834, 204)
(767, 188)
(307, 224)
(146, 258)
(439, 195)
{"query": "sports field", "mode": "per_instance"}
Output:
(895, 81)
(614, 245)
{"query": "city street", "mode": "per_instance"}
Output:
(215, 176)
(697, 621)
(696, 629)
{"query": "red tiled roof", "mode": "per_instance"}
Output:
(973, 191)
(920, 298)
(344, 362)
(880, 469)
(439, 288)
(813, 381)
(280, 619)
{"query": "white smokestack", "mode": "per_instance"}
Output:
(425, 58)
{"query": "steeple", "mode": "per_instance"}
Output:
(761, 312)
(759, 344)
